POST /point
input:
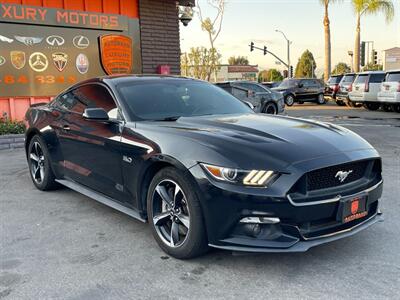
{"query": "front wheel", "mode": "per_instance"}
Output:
(40, 165)
(289, 100)
(175, 215)
(387, 107)
(372, 106)
(396, 108)
(321, 99)
(340, 103)
(270, 108)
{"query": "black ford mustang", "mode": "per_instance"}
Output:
(202, 168)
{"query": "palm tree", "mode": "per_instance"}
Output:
(327, 30)
(369, 7)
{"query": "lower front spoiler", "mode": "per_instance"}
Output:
(299, 245)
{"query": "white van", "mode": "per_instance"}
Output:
(389, 95)
(365, 89)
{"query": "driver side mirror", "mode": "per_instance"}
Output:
(95, 114)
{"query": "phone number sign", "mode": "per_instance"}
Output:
(44, 60)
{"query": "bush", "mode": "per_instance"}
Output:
(11, 127)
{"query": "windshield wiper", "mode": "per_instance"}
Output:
(171, 118)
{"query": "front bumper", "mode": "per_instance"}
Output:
(302, 225)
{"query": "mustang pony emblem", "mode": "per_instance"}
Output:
(342, 175)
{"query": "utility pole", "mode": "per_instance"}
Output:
(288, 50)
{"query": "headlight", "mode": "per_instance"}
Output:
(260, 178)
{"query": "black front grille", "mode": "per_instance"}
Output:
(329, 177)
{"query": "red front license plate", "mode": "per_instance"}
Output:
(353, 208)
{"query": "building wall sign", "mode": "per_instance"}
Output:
(116, 54)
(62, 47)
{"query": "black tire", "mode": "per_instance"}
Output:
(40, 166)
(270, 108)
(289, 100)
(321, 99)
(300, 102)
(340, 103)
(396, 108)
(195, 240)
(387, 107)
(372, 106)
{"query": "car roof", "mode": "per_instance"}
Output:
(371, 72)
(393, 71)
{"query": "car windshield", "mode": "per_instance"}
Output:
(361, 78)
(288, 83)
(172, 98)
(334, 80)
(348, 78)
(393, 77)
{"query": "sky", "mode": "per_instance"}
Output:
(301, 21)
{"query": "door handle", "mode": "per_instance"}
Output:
(66, 128)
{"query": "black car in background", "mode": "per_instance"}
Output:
(202, 168)
(332, 87)
(302, 90)
(271, 84)
(345, 84)
(261, 98)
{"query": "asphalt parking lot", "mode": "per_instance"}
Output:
(62, 245)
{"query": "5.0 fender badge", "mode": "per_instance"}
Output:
(38, 61)
(60, 60)
(18, 59)
(28, 40)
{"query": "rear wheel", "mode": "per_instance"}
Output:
(340, 103)
(40, 166)
(175, 215)
(396, 107)
(270, 108)
(372, 106)
(387, 107)
(321, 99)
(289, 100)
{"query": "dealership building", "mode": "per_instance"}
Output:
(48, 45)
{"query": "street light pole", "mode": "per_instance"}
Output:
(288, 49)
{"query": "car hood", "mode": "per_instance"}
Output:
(250, 139)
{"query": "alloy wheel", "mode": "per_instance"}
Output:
(289, 100)
(37, 161)
(171, 217)
(270, 109)
(321, 99)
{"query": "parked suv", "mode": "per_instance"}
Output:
(345, 85)
(389, 95)
(260, 97)
(302, 90)
(332, 87)
(365, 89)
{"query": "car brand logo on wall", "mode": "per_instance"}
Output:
(81, 42)
(18, 59)
(82, 63)
(5, 39)
(60, 60)
(2, 60)
(38, 61)
(55, 40)
(342, 175)
(116, 54)
(28, 40)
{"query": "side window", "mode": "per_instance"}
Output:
(376, 78)
(94, 95)
(69, 102)
(306, 83)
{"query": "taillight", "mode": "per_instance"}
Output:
(350, 88)
(366, 88)
(398, 87)
(336, 88)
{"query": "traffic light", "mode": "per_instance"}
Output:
(375, 56)
(265, 50)
(291, 72)
(362, 54)
(251, 46)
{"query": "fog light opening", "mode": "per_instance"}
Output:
(260, 220)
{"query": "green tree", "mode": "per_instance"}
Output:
(200, 62)
(327, 33)
(306, 66)
(369, 7)
(270, 75)
(373, 67)
(213, 29)
(239, 60)
(341, 68)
